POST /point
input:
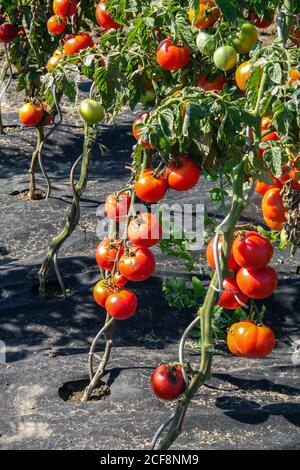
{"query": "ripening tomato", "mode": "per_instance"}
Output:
(117, 206)
(8, 32)
(104, 18)
(246, 339)
(211, 85)
(91, 111)
(262, 187)
(151, 188)
(294, 76)
(232, 264)
(272, 205)
(137, 128)
(52, 63)
(107, 252)
(290, 173)
(144, 230)
(246, 38)
(167, 382)
(183, 174)
(75, 44)
(102, 290)
(31, 114)
(209, 13)
(270, 136)
(172, 57)
(242, 74)
(274, 224)
(252, 250)
(225, 57)
(119, 280)
(121, 305)
(232, 297)
(206, 43)
(262, 22)
(138, 264)
(65, 7)
(57, 24)
(257, 283)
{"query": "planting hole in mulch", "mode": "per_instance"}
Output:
(23, 195)
(53, 290)
(72, 392)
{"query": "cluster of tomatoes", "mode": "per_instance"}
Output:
(35, 113)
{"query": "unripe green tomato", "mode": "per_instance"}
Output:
(206, 43)
(91, 111)
(225, 57)
(148, 97)
(246, 38)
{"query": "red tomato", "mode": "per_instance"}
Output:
(171, 57)
(183, 174)
(262, 188)
(75, 44)
(65, 7)
(119, 280)
(104, 18)
(242, 74)
(167, 382)
(249, 340)
(295, 34)
(232, 297)
(117, 208)
(272, 205)
(232, 264)
(106, 253)
(271, 136)
(31, 114)
(57, 24)
(8, 32)
(263, 22)
(252, 250)
(144, 230)
(138, 265)
(137, 128)
(214, 85)
(150, 188)
(208, 14)
(102, 291)
(257, 283)
(289, 172)
(121, 305)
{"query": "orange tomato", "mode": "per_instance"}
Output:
(242, 74)
(209, 13)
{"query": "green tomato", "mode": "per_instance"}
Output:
(246, 38)
(225, 57)
(91, 111)
(148, 97)
(206, 43)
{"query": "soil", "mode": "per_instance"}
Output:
(72, 392)
(24, 195)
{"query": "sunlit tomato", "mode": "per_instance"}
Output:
(246, 38)
(225, 57)
(8, 32)
(294, 76)
(211, 85)
(107, 252)
(121, 305)
(104, 18)
(117, 206)
(75, 44)
(172, 57)
(31, 114)
(291, 173)
(206, 43)
(242, 74)
(209, 13)
(274, 224)
(167, 382)
(262, 187)
(119, 280)
(151, 188)
(257, 283)
(144, 230)
(246, 339)
(138, 265)
(137, 128)
(183, 174)
(48, 117)
(102, 290)
(232, 264)
(271, 136)
(272, 205)
(232, 297)
(52, 63)
(57, 24)
(295, 34)
(262, 22)
(65, 7)
(91, 111)
(252, 250)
